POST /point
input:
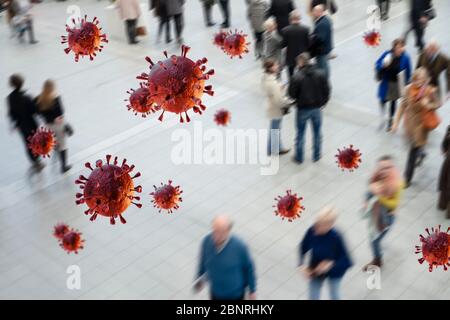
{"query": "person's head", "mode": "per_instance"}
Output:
(294, 17)
(385, 162)
(419, 77)
(270, 25)
(16, 81)
(45, 99)
(303, 59)
(221, 228)
(325, 220)
(398, 47)
(318, 11)
(432, 48)
(271, 66)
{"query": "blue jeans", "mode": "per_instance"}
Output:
(322, 63)
(315, 286)
(387, 219)
(303, 115)
(274, 144)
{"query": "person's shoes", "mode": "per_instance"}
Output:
(168, 40)
(180, 41)
(296, 161)
(375, 262)
(389, 125)
(317, 159)
(420, 159)
(284, 151)
(33, 41)
(407, 185)
(66, 168)
(38, 166)
(134, 42)
(210, 24)
(225, 25)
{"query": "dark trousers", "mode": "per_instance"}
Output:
(207, 11)
(25, 134)
(413, 156)
(419, 32)
(384, 7)
(29, 29)
(178, 20)
(259, 44)
(303, 115)
(290, 71)
(164, 22)
(225, 7)
(131, 30)
(392, 109)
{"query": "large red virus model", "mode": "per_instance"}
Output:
(289, 206)
(139, 101)
(109, 189)
(69, 239)
(222, 117)
(348, 158)
(42, 142)
(219, 38)
(177, 84)
(372, 38)
(84, 39)
(435, 248)
(235, 44)
(167, 197)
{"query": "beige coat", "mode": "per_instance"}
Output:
(129, 9)
(276, 96)
(412, 111)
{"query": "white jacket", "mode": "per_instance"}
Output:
(276, 96)
(129, 9)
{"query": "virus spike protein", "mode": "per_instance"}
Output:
(348, 158)
(222, 117)
(42, 142)
(289, 206)
(167, 197)
(109, 189)
(178, 83)
(139, 101)
(435, 248)
(84, 39)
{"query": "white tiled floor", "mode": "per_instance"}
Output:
(153, 256)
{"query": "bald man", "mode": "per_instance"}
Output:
(322, 38)
(226, 263)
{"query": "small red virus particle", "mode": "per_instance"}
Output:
(84, 39)
(167, 197)
(42, 142)
(372, 38)
(219, 38)
(72, 241)
(348, 158)
(235, 44)
(222, 117)
(435, 248)
(139, 101)
(109, 189)
(178, 83)
(60, 230)
(289, 206)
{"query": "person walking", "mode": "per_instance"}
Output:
(444, 176)
(225, 8)
(130, 11)
(175, 11)
(309, 88)
(277, 106)
(419, 98)
(329, 259)
(21, 20)
(272, 42)
(421, 13)
(384, 6)
(207, 12)
(436, 63)
(226, 263)
(330, 6)
(295, 40)
(388, 67)
(49, 106)
(322, 39)
(160, 11)
(256, 12)
(382, 200)
(21, 112)
(280, 9)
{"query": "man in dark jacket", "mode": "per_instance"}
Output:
(309, 88)
(419, 16)
(21, 111)
(295, 39)
(280, 9)
(322, 38)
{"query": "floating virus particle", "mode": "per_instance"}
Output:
(167, 197)
(235, 44)
(109, 189)
(42, 142)
(435, 248)
(348, 158)
(60, 230)
(289, 206)
(372, 38)
(84, 38)
(222, 117)
(72, 241)
(219, 38)
(139, 101)
(177, 84)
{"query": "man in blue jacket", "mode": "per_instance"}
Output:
(226, 263)
(322, 38)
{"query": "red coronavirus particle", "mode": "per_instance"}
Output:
(109, 189)
(84, 38)
(289, 206)
(348, 158)
(222, 117)
(435, 248)
(178, 83)
(235, 44)
(139, 101)
(41, 143)
(219, 38)
(372, 38)
(72, 241)
(60, 230)
(167, 197)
